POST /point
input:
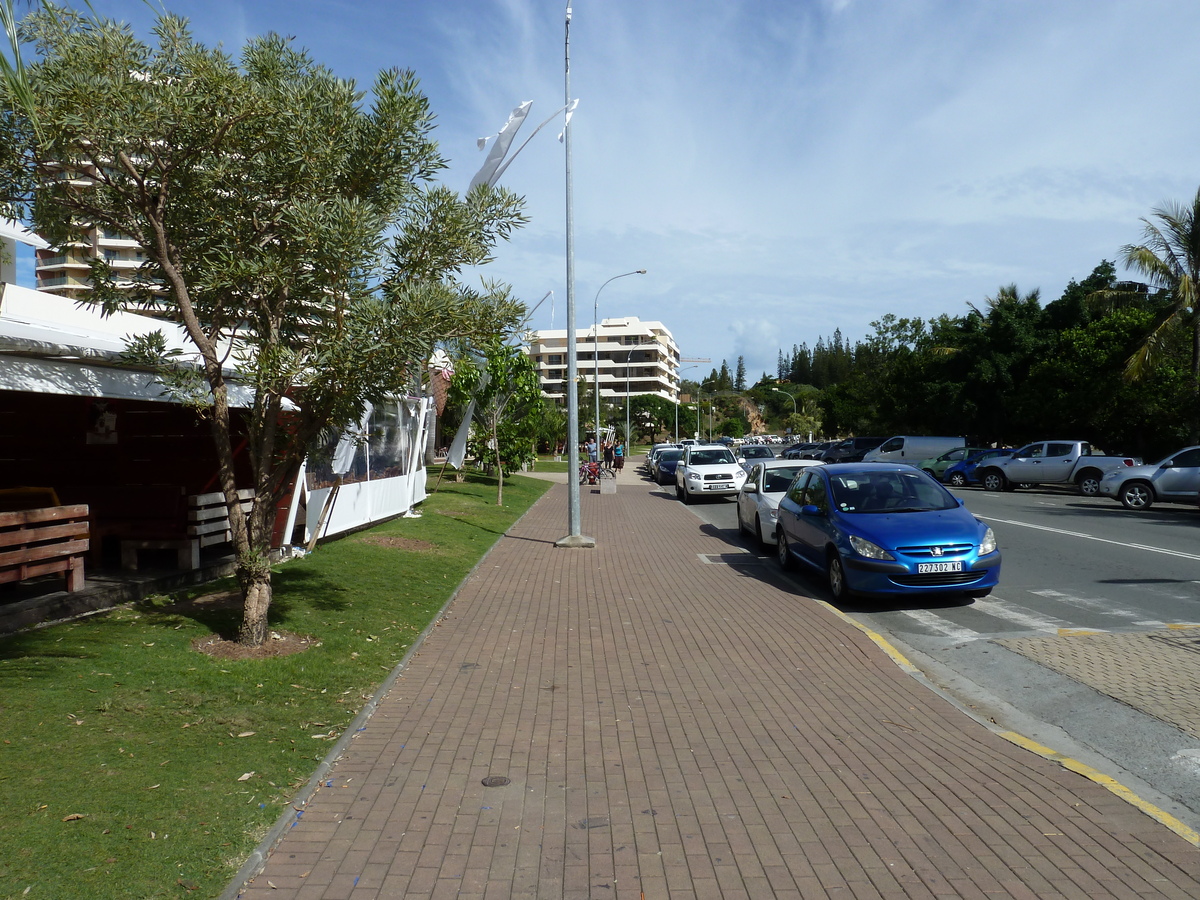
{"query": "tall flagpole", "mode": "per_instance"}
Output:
(574, 538)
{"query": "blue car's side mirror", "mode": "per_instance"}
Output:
(810, 510)
(961, 501)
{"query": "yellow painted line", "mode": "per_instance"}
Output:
(1078, 632)
(897, 657)
(1181, 626)
(1161, 816)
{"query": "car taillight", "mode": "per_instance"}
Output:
(1128, 461)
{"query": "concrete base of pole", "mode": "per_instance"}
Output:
(576, 541)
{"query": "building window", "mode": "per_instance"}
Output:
(555, 359)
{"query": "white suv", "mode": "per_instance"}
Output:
(709, 471)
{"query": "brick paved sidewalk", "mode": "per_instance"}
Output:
(678, 720)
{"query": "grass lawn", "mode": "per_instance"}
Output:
(133, 765)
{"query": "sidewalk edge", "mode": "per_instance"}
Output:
(287, 820)
(1095, 775)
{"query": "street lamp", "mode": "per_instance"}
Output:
(789, 396)
(596, 342)
(628, 359)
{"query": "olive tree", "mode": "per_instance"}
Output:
(263, 192)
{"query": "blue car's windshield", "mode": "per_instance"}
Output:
(888, 492)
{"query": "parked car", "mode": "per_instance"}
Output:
(817, 451)
(758, 500)
(707, 471)
(793, 451)
(748, 454)
(884, 529)
(937, 466)
(1052, 462)
(654, 451)
(1175, 478)
(850, 450)
(962, 473)
(912, 448)
(663, 468)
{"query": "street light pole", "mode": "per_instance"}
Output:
(596, 343)
(628, 358)
(574, 537)
(789, 396)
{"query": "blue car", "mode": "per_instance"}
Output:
(884, 530)
(962, 472)
(665, 464)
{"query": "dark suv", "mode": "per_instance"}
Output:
(851, 450)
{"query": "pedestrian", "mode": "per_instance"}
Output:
(591, 450)
(608, 454)
(619, 455)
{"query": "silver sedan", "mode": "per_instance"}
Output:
(758, 500)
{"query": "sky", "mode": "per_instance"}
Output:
(785, 168)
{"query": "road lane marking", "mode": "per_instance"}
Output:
(1088, 603)
(1092, 537)
(941, 625)
(1025, 620)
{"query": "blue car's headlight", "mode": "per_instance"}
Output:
(863, 547)
(988, 544)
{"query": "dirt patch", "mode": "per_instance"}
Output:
(398, 543)
(278, 643)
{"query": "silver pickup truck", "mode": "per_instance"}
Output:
(1051, 462)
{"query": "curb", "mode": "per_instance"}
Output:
(1095, 775)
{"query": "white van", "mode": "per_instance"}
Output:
(912, 448)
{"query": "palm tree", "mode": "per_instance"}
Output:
(1169, 258)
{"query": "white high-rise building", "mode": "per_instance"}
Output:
(635, 358)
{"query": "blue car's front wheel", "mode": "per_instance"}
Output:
(836, 574)
(781, 548)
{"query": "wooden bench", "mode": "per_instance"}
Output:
(44, 541)
(207, 525)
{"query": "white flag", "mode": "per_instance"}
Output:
(500, 146)
(567, 121)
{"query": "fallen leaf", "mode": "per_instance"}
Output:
(246, 734)
(153, 786)
(246, 777)
(73, 817)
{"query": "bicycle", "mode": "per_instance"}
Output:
(589, 473)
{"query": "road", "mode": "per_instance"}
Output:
(1084, 585)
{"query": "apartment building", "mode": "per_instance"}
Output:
(635, 358)
(65, 271)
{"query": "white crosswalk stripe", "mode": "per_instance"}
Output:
(1030, 620)
(942, 625)
(1089, 603)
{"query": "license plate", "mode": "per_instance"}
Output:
(923, 568)
(717, 487)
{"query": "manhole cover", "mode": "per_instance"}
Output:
(495, 781)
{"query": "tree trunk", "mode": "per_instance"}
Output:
(499, 467)
(255, 580)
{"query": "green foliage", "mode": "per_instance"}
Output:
(508, 405)
(262, 192)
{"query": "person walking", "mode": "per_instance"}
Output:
(608, 455)
(619, 455)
